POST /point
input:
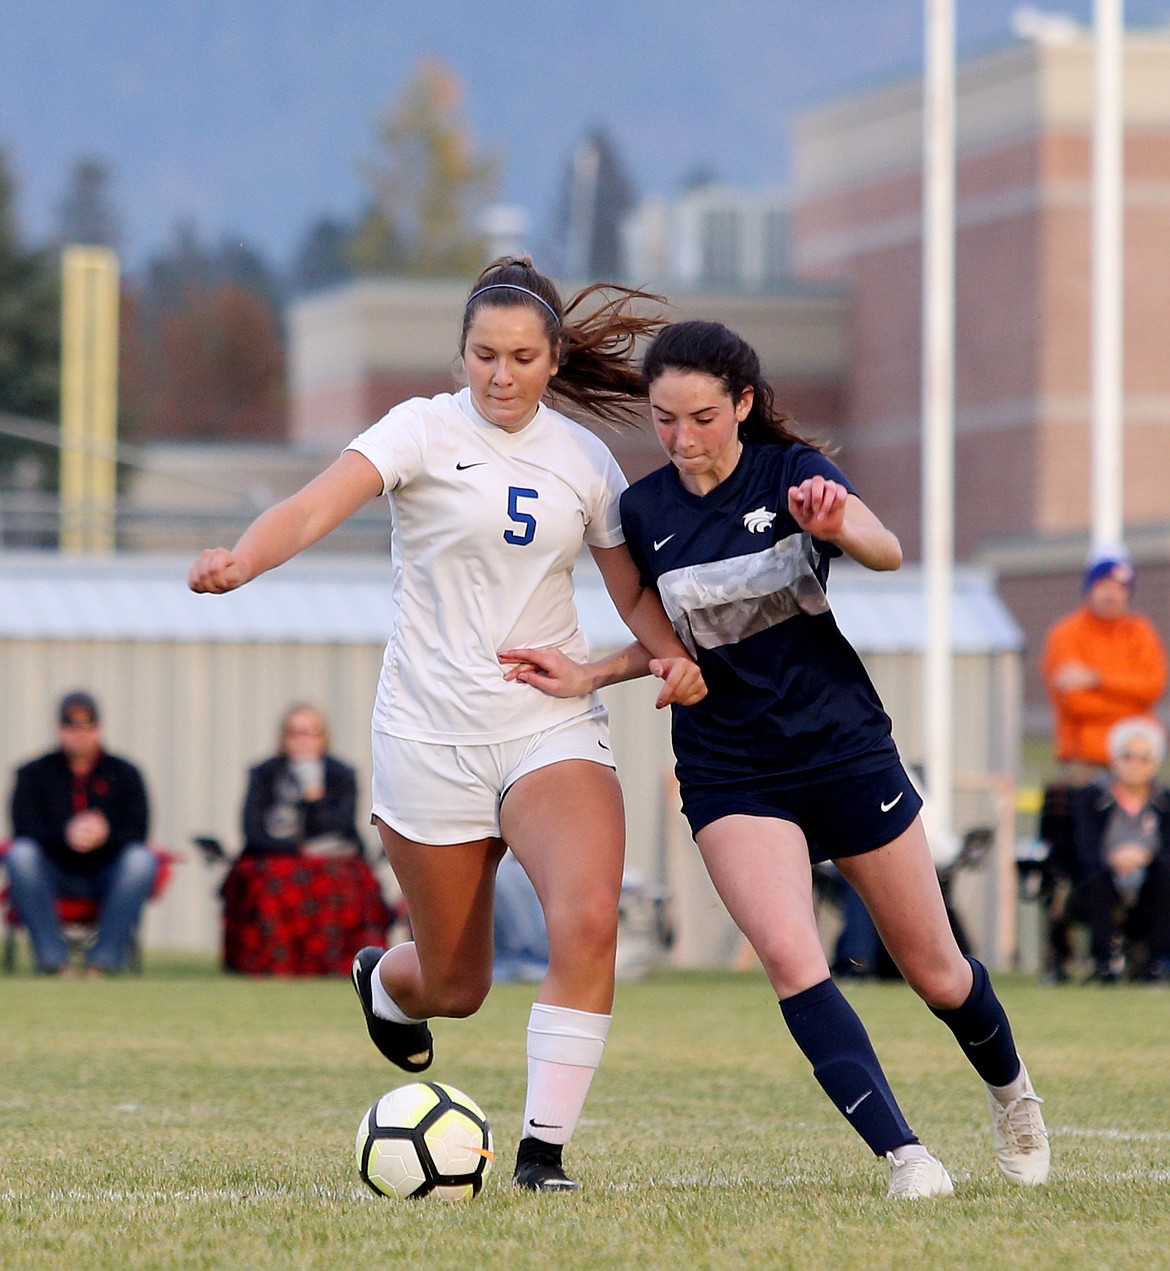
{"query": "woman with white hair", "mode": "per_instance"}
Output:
(1121, 846)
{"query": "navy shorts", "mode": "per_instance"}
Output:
(843, 814)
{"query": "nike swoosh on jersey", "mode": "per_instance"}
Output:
(462, 467)
(893, 803)
(662, 542)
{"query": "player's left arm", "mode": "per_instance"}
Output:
(830, 513)
(657, 650)
(641, 610)
(639, 606)
(555, 673)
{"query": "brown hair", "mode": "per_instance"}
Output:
(594, 351)
(716, 350)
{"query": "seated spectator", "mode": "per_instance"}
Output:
(302, 801)
(79, 821)
(1120, 839)
(301, 899)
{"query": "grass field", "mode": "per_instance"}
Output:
(185, 1120)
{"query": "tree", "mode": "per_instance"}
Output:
(427, 186)
(87, 212)
(321, 261)
(214, 368)
(596, 194)
(30, 335)
(204, 351)
(30, 353)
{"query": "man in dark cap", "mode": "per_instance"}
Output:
(79, 821)
(1102, 664)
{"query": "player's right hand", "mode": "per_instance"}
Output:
(216, 571)
(683, 683)
(548, 669)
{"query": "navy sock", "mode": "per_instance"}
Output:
(833, 1039)
(981, 1028)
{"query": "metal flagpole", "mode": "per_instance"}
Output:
(1107, 449)
(938, 406)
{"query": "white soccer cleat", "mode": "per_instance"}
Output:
(918, 1177)
(1021, 1141)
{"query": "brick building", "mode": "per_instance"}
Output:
(1023, 337)
(358, 349)
(842, 343)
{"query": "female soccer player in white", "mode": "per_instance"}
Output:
(789, 760)
(492, 494)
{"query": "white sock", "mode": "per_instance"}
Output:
(1006, 1094)
(385, 1007)
(908, 1151)
(564, 1051)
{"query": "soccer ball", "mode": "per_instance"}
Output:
(425, 1140)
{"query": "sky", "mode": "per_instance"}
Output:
(250, 119)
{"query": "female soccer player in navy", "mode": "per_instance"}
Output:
(492, 494)
(789, 760)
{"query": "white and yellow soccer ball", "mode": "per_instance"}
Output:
(425, 1140)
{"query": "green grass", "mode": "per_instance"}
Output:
(186, 1120)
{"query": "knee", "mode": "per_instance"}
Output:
(791, 965)
(24, 859)
(461, 1001)
(460, 996)
(137, 866)
(588, 928)
(943, 984)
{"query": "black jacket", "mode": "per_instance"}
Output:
(1089, 810)
(332, 814)
(47, 795)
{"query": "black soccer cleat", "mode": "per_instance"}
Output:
(538, 1168)
(410, 1046)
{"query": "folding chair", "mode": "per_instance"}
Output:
(79, 917)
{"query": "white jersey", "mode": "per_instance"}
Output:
(486, 528)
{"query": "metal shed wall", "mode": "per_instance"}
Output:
(192, 689)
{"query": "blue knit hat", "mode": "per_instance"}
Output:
(1115, 564)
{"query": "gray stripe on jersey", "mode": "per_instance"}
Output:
(725, 601)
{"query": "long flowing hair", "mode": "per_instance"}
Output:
(716, 350)
(593, 336)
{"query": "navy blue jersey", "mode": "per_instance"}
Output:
(745, 589)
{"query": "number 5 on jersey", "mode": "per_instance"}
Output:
(525, 520)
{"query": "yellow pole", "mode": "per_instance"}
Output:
(89, 398)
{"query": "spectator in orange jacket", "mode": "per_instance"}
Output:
(1101, 664)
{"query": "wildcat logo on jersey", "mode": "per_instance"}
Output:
(759, 520)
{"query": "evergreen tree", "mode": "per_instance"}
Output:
(87, 212)
(321, 261)
(30, 335)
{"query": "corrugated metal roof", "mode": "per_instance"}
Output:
(145, 597)
(887, 612)
(346, 600)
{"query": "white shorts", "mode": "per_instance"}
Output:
(438, 793)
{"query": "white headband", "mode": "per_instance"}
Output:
(512, 286)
